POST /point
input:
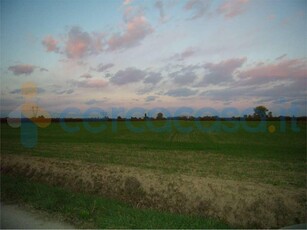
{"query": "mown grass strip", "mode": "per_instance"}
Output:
(89, 211)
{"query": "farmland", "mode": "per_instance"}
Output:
(234, 171)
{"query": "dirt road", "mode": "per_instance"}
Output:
(14, 216)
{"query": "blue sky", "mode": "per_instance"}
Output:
(171, 53)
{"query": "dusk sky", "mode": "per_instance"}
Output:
(149, 54)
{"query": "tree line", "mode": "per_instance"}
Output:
(260, 113)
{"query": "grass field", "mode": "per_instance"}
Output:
(89, 211)
(270, 158)
(275, 158)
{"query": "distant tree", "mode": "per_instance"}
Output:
(184, 118)
(119, 118)
(260, 111)
(160, 116)
(270, 115)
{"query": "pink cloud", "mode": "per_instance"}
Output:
(96, 83)
(92, 83)
(293, 68)
(137, 28)
(80, 44)
(20, 69)
(50, 44)
(127, 2)
(232, 8)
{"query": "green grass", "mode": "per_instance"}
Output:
(89, 211)
(277, 158)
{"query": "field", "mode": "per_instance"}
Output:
(241, 173)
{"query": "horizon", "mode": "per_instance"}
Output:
(129, 54)
(142, 113)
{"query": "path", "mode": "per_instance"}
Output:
(14, 216)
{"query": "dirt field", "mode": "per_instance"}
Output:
(242, 204)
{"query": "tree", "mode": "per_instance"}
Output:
(260, 111)
(160, 116)
(270, 115)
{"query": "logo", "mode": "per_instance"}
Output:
(29, 116)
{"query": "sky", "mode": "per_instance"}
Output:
(153, 54)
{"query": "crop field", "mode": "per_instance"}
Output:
(242, 173)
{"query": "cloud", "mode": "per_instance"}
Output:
(222, 72)
(160, 7)
(281, 57)
(93, 83)
(127, 2)
(50, 44)
(66, 91)
(181, 92)
(185, 79)
(199, 7)
(90, 83)
(184, 76)
(107, 75)
(283, 69)
(20, 69)
(43, 69)
(80, 44)
(137, 28)
(69, 91)
(86, 76)
(91, 102)
(95, 102)
(127, 76)
(184, 55)
(146, 89)
(150, 98)
(278, 93)
(18, 91)
(101, 67)
(273, 83)
(231, 93)
(233, 8)
(153, 78)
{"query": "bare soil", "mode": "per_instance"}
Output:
(242, 204)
